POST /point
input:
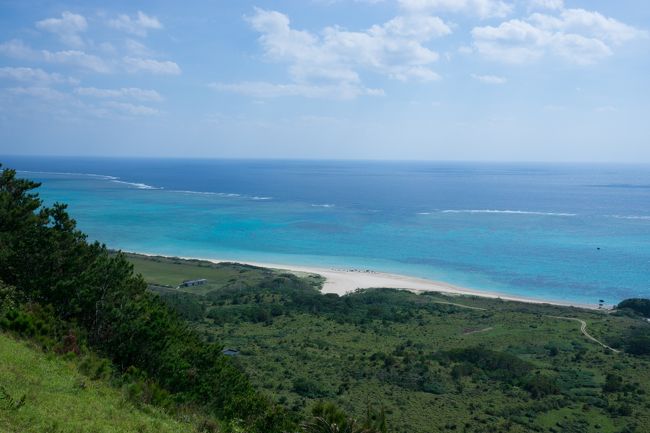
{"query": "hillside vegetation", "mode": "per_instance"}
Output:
(432, 362)
(43, 393)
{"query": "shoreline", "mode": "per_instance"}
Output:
(342, 281)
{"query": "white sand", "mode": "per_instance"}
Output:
(342, 281)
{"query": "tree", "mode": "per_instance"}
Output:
(638, 305)
(329, 418)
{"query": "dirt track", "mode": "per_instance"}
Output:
(583, 329)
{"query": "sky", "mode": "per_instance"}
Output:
(473, 80)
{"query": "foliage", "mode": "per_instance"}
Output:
(7, 402)
(613, 383)
(528, 371)
(44, 393)
(500, 366)
(187, 305)
(328, 418)
(638, 305)
(637, 340)
(514, 368)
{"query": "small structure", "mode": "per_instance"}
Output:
(192, 283)
(230, 352)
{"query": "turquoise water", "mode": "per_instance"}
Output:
(575, 233)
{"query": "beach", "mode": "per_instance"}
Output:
(341, 281)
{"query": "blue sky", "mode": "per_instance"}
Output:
(532, 80)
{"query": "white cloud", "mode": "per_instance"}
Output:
(261, 89)
(164, 67)
(17, 49)
(481, 8)
(589, 24)
(76, 58)
(334, 58)
(131, 63)
(547, 4)
(138, 25)
(107, 48)
(489, 79)
(576, 35)
(33, 75)
(138, 49)
(331, 2)
(125, 92)
(137, 110)
(40, 92)
(67, 28)
(419, 28)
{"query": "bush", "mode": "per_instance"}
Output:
(496, 365)
(308, 388)
(638, 305)
(541, 386)
(95, 367)
(613, 383)
(637, 342)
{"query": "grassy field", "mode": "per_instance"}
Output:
(171, 272)
(403, 353)
(42, 393)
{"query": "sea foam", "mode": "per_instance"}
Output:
(631, 217)
(59, 173)
(135, 184)
(507, 211)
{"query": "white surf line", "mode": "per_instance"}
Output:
(583, 329)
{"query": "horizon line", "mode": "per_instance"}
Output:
(329, 159)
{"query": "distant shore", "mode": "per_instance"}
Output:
(342, 281)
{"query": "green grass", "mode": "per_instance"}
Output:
(58, 399)
(382, 356)
(166, 271)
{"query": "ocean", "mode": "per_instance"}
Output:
(565, 232)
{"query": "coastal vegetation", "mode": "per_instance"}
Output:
(112, 332)
(431, 362)
(637, 306)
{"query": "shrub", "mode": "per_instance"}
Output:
(540, 386)
(637, 341)
(308, 388)
(638, 305)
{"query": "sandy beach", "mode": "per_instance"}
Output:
(342, 281)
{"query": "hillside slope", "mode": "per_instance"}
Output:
(471, 361)
(57, 398)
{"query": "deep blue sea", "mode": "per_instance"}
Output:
(564, 232)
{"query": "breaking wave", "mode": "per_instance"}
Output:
(135, 184)
(512, 212)
(631, 217)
